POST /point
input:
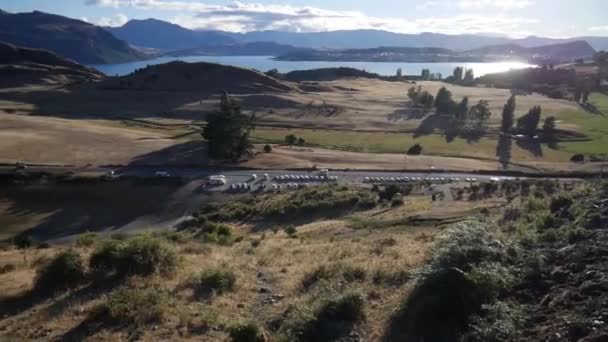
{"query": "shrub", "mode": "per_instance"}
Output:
(86, 239)
(491, 279)
(23, 241)
(7, 268)
(141, 255)
(415, 150)
(560, 203)
(246, 332)
(498, 322)
(320, 273)
(218, 280)
(213, 232)
(396, 278)
(465, 244)
(334, 319)
(354, 273)
(138, 306)
(578, 158)
(290, 230)
(267, 148)
(291, 139)
(397, 200)
(66, 270)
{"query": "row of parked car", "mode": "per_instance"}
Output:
(439, 180)
(305, 178)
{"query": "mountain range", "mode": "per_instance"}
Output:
(67, 37)
(90, 44)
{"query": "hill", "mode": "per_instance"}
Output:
(75, 39)
(328, 74)
(239, 49)
(22, 66)
(158, 34)
(564, 51)
(199, 77)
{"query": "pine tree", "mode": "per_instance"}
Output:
(508, 115)
(444, 102)
(228, 130)
(528, 124)
(462, 109)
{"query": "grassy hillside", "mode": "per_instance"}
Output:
(491, 265)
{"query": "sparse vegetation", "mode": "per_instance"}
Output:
(137, 305)
(217, 280)
(65, 271)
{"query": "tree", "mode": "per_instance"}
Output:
(469, 76)
(267, 148)
(228, 130)
(528, 124)
(458, 74)
(480, 113)
(291, 139)
(462, 109)
(415, 150)
(444, 102)
(578, 95)
(301, 141)
(413, 93)
(508, 115)
(586, 94)
(399, 73)
(549, 127)
(426, 100)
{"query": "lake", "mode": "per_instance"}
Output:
(265, 63)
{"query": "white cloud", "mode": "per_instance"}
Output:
(502, 4)
(244, 17)
(117, 20)
(599, 28)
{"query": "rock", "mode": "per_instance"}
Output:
(240, 305)
(560, 275)
(264, 290)
(592, 288)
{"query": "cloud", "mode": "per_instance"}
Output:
(501, 4)
(245, 17)
(117, 20)
(599, 28)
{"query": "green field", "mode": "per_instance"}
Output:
(594, 125)
(382, 142)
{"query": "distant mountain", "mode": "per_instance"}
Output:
(239, 49)
(558, 53)
(67, 37)
(158, 34)
(22, 66)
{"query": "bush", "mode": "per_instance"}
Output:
(216, 233)
(267, 148)
(578, 158)
(498, 322)
(245, 332)
(218, 280)
(65, 271)
(138, 306)
(334, 319)
(354, 273)
(141, 255)
(23, 241)
(391, 278)
(415, 150)
(86, 239)
(560, 203)
(290, 230)
(320, 273)
(291, 139)
(7, 268)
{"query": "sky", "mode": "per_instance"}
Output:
(514, 18)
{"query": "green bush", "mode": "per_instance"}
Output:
(87, 239)
(334, 319)
(491, 279)
(65, 271)
(354, 273)
(415, 150)
(218, 280)
(497, 322)
(246, 332)
(320, 273)
(560, 203)
(138, 306)
(391, 278)
(141, 255)
(267, 148)
(290, 230)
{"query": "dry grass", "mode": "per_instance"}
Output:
(269, 277)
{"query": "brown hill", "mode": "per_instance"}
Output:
(22, 66)
(202, 77)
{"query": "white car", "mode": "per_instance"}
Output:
(266, 176)
(162, 174)
(254, 176)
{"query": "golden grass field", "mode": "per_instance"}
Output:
(55, 125)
